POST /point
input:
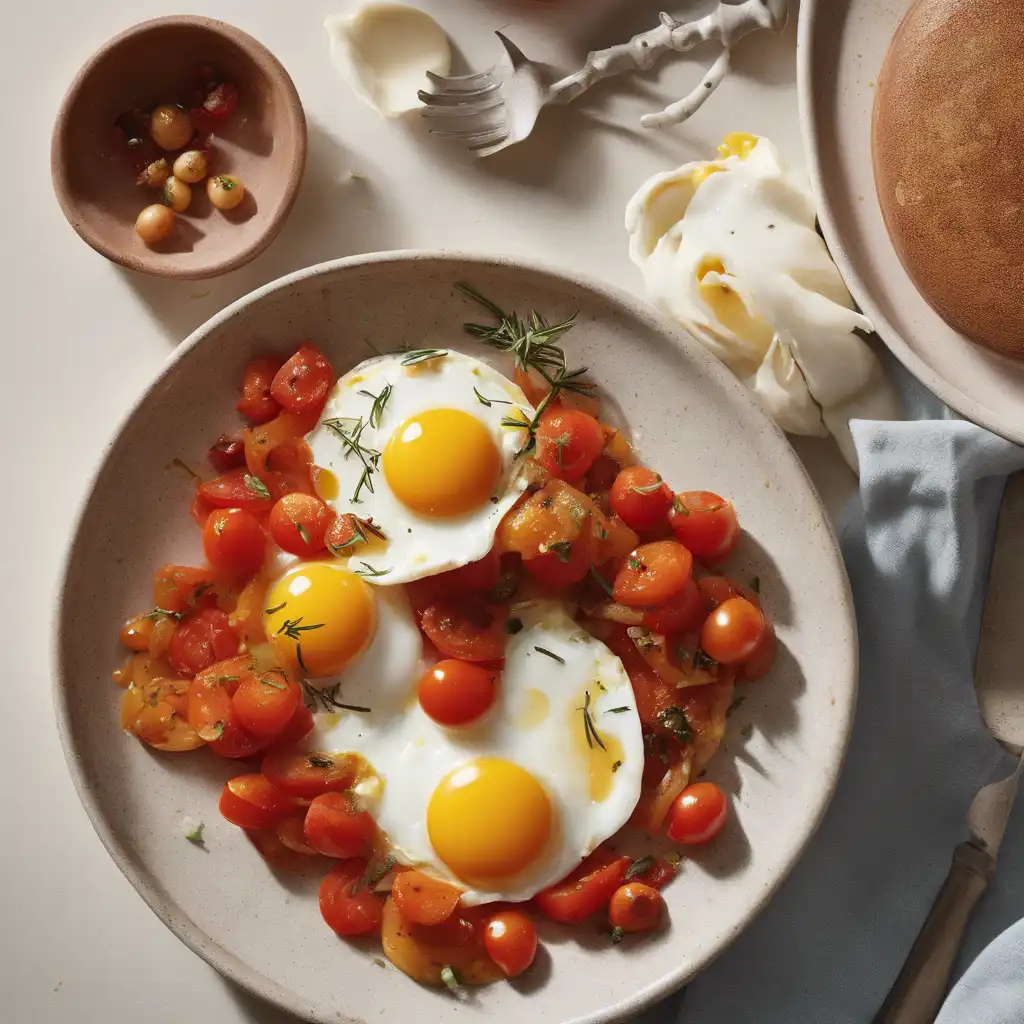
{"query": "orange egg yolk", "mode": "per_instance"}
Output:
(442, 463)
(319, 616)
(489, 820)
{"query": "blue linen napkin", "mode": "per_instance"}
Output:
(917, 544)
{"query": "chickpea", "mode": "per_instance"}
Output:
(225, 192)
(155, 175)
(154, 224)
(190, 166)
(176, 194)
(170, 126)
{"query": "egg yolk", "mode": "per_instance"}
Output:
(737, 144)
(319, 616)
(442, 462)
(489, 820)
(727, 306)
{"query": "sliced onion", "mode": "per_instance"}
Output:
(675, 780)
(653, 648)
(612, 611)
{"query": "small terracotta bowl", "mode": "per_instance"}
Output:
(263, 144)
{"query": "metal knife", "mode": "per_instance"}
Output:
(921, 987)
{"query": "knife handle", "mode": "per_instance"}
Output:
(919, 990)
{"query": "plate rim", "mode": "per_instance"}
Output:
(219, 957)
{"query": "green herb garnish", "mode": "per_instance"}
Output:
(257, 486)
(491, 401)
(639, 867)
(562, 550)
(588, 724)
(676, 721)
(368, 570)
(379, 403)
(422, 355)
(550, 654)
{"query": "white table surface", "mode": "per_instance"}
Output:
(82, 338)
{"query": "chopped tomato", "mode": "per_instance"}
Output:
(200, 508)
(587, 890)
(564, 563)
(257, 404)
(237, 489)
(733, 631)
(568, 442)
(653, 574)
(714, 590)
(136, 633)
(421, 899)
(211, 713)
(634, 907)
(291, 831)
(762, 658)
(683, 612)
(279, 856)
(305, 380)
(234, 541)
(176, 588)
(337, 827)
(299, 524)
(309, 773)
(698, 814)
(267, 702)
(347, 905)
(602, 474)
(469, 630)
(290, 469)
(263, 439)
(250, 801)
(474, 578)
(640, 497)
(706, 524)
(227, 453)
(300, 726)
(202, 638)
(455, 693)
(510, 939)
(155, 712)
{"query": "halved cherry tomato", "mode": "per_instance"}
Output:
(136, 633)
(304, 381)
(602, 474)
(762, 658)
(211, 713)
(510, 939)
(200, 508)
(706, 524)
(237, 489)
(563, 564)
(586, 890)
(250, 801)
(267, 702)
(698, 814)
(202, 638)
(291, 831)
(299, 524)
(568, 442)
(653, 574)
(227, 453)
(640, 498)
(177, 588)
(347, 905)
(234, 541)
(290, 469)
(279, 856)
(337, 827)
(262, 440)
(683, 612)
(455, 693)
(301, 725)
(634, 907)
(469, 630)
(474, 578)
(732, 632)
(221, 101)
(257, 403)
(421, 899)
(309, 773)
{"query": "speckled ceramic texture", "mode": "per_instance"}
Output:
(840, 50)
(689, 417)
(263, 143)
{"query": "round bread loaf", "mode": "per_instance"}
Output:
(948, 151)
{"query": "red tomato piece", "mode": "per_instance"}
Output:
(234, 541)
(291, 831)
(421, 899)
(640, 498)
(568, 442)
(762, 658)
(510, 939)
(202, 638)
(212, 714)
(653, 574)
(250, 801)
(221, 101)
(733, 631)
(698, 814)
(176, 588)
(634, 907)
(304, 381)
(660, 873)
(587, 890)
(279, 856)
(200, 508)
(562, 564)
(266, 703)
(257, 404)
(474, 578)
(347, 905)
(301, 725)
(308, 774)
(468, 630)
(706, 524)
(299, 524)
(678, 614)
(237, 489)
(602, 474)
(227, 453)
(336, 827)
(455, 693)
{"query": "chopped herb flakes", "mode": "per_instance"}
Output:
(257, 486)
(676, 721)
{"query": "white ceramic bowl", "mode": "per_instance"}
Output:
(690, 418)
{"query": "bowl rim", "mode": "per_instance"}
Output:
(254, 51)
(200, 942)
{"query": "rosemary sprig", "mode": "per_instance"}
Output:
(601, 581)
(275, 609)
(292, 629)
(350, 431)
(257, 486)
(330, 702)
(649, 488)
(491, 401)
(422, 355)
(618, 711)
(562, 380)
(588, 724)
(360, 529)
(368, 570)
(550, 654)
(379, 403)
(163, 613)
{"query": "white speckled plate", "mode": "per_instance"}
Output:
(840, 49)
(692, 420)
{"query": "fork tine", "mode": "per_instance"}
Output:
(518, 58)
(468, 138)
(457, 81)
(446, 99)
(489, 140)
(447, 111)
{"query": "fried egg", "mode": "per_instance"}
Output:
(511, 804)
(417, 445)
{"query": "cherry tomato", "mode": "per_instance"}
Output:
(234, 541)
(653, 574)
(336, 827)
(136, 633)
(299, 524)
(304, 381)
(640, 498)
(202, 638)
(227, 453)
(602, 474)
(474, 578)
(732, 632)
(762, 658)
(562, 564)
(455, 693)
(250, 801)
(421, 899)
(714, 590)
(510, 939)
(221, 101)
(660, 873)
(200, 508)
(468, 630)
(257, 404)
(237, 489)
(301, 725)
(347, 905)
(586, 890)
(291, 831)
(706, 524)
(308, 774)
(266, 703)
(177, 588)
(203, 122)
(212, 714)
(681, 613)
(568, 442)
(634, 907)
(270, 847)
(698, 814)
